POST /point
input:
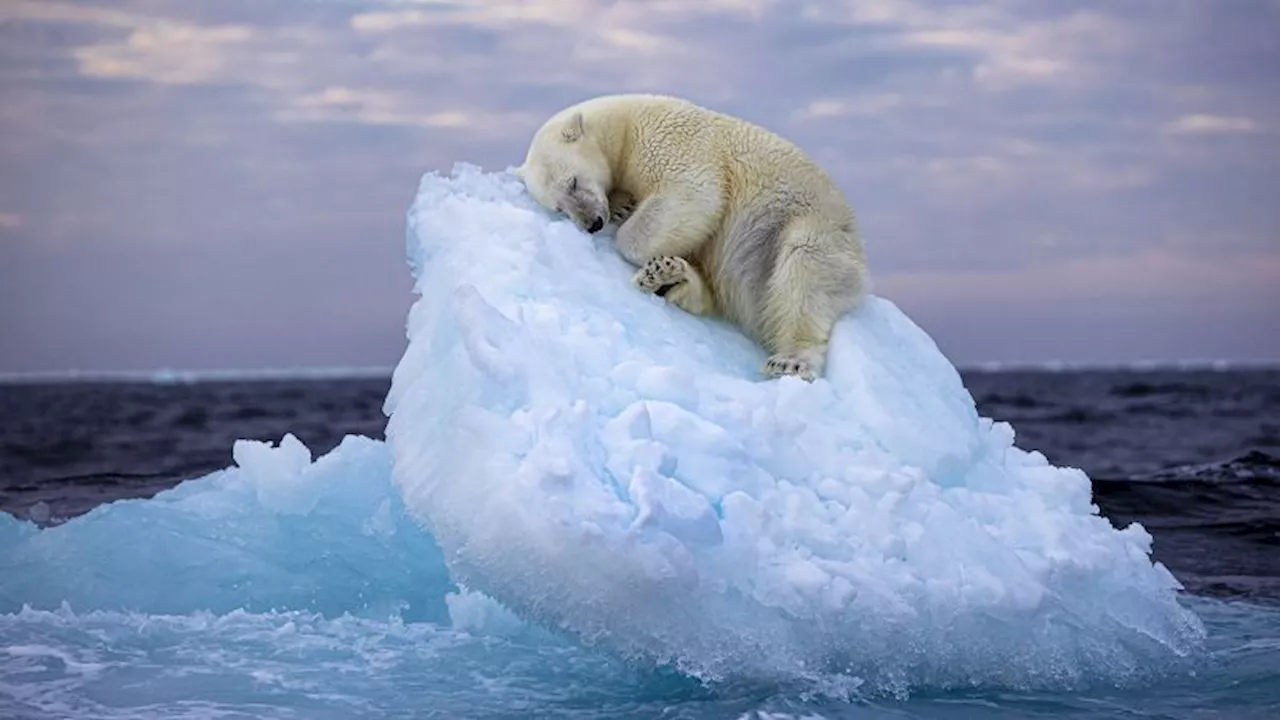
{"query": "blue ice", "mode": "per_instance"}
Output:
(602, 463)
(589, 503)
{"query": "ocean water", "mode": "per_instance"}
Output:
(1192, 455)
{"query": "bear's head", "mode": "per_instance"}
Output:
(567, 171)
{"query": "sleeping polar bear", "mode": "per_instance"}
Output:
(721, 217)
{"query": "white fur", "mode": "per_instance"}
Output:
(724, 216)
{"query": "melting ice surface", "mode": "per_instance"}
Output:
(590, 505)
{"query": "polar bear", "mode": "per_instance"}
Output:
(722, 217)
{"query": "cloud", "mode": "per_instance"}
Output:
(167, 52)
(555, 13)
(369, 106)
(855, 106)
(156, 49)
(67, 12)
(10, 221)
(992, 46)
(1113, 277)
(1204, 124)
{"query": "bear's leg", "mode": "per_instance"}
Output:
(675, 224)
(679, 282)
(813, 283)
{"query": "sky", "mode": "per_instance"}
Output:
(222, 184)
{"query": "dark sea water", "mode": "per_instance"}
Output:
(1194, 456)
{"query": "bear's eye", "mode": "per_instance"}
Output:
(573, 184)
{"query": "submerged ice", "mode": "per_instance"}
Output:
(605, 464)
(577, 473)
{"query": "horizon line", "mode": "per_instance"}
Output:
(165, 375)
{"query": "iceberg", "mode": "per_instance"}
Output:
(589, 502)
(276, 530)
(606, 465)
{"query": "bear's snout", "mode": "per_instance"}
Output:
(596, 225)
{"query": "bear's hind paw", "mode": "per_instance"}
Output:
(797, 364)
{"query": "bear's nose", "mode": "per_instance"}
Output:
(596, 225)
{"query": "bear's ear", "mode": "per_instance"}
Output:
(573, 129)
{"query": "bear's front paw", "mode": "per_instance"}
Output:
(661, 274)
(790, 364)
(621, 207)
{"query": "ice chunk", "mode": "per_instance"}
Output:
(275, 531)
(601, 462)
(278, 588)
